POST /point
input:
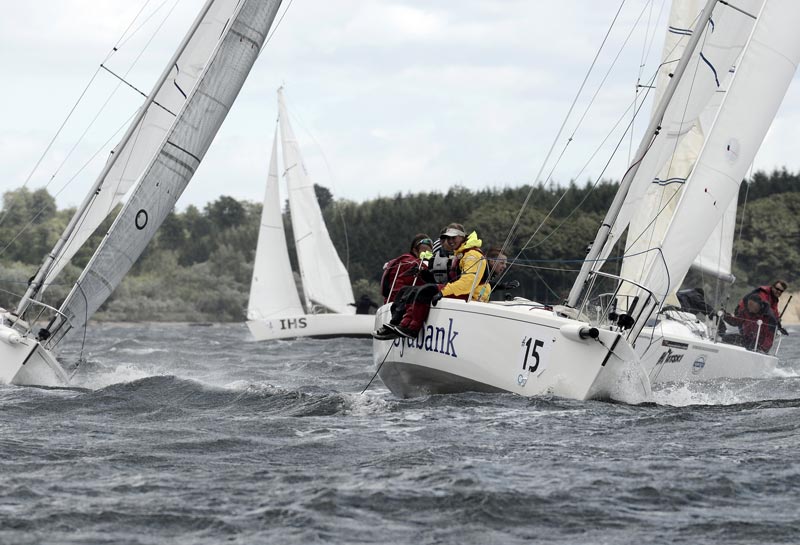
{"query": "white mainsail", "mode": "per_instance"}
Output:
(766, 68)
(273, 292)
(132, 156)
(170, 169)
(326, 282)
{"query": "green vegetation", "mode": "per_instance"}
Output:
(199, 265)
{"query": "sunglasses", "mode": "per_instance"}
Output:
(425, 241)
(779, 290)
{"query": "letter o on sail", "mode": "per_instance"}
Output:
(141, 219)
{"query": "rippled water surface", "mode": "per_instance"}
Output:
(178, 434)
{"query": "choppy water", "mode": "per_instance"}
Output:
(180, 434)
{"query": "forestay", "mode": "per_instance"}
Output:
(273, 292)
(179, 154)
(325, 279)
(749, 106)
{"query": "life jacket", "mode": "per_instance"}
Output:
(765, 293)
(443, 267)
(749, 328)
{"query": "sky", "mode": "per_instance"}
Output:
(385, 96)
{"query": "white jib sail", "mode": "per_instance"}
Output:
(133, 157)
(178, 157)
(748, 108)
(653, 195)
(273, 292)
(325, 279)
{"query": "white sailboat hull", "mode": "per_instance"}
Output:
(670, 352)
(24, 362)
(312, 325)
(508, 347)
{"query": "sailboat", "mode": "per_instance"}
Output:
(586, 348)
(153, 162)
(677, 345)
(274, 310)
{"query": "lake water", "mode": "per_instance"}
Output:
(195, 435)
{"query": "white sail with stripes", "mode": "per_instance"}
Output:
(650, 213)
(654, 192)
(176, 159)
(326, 282)
(273, 292)
(757, 88)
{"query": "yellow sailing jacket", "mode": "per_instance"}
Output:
(471, 264)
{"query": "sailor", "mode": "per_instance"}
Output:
(442, 263)
(750, 311)
(470, 264)
(404, 269)
(498, 263)
(771, 295)
(399, 275)
(363, 304)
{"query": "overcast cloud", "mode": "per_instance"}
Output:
(386, 96)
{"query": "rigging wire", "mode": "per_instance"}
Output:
(629, 128)
(571, 138)
(39, 161)
(646, 48)
(561, 129)
(102, 108)
(277, 24)
(67, 183)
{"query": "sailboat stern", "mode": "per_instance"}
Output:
(24, 362)
(517, 347)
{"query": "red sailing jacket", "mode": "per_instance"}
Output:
(397, 274)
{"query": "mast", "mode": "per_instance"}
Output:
(650, 134)
(36, 284)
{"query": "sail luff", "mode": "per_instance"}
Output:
(273, 292)
(68, 243)
(650, 133)
(168, 173)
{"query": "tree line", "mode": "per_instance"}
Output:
(199, 265)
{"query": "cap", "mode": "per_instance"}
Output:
(453, 232)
